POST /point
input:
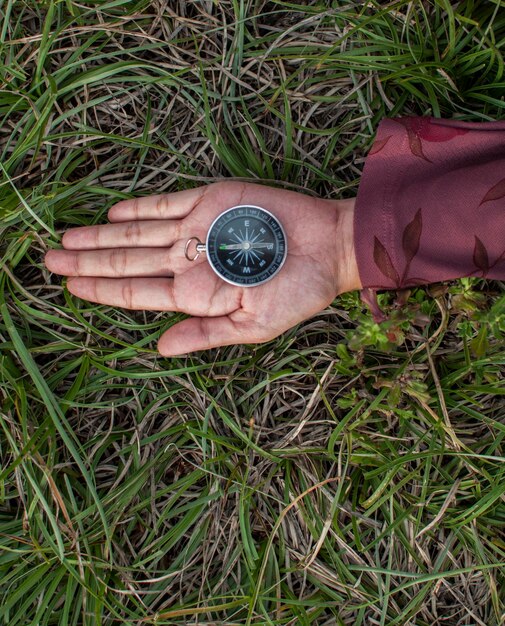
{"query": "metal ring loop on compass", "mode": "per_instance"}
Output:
(200, 247)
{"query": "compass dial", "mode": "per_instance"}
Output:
(246, 246)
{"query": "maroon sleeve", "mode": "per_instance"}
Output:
(431, 203)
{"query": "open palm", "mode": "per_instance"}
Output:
(138, 262)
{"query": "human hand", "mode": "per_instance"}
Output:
(138, 262)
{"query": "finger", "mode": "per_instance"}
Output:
(114, 263)
(160, 207)
(155, 294)
(202, 333)
(124, 235)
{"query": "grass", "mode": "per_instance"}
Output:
(347, 473)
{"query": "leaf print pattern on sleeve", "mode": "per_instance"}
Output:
(416, 146)
(495, 193)
(378, 145)
(481, 258)
(421, 129)
(384, 263)
(411, 238)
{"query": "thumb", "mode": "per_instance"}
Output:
(202, 333)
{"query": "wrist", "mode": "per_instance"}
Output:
(347, 267)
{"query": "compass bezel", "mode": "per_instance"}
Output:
(281, 248)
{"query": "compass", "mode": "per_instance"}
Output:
(246, 246)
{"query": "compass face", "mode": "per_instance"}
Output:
(246, 246)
